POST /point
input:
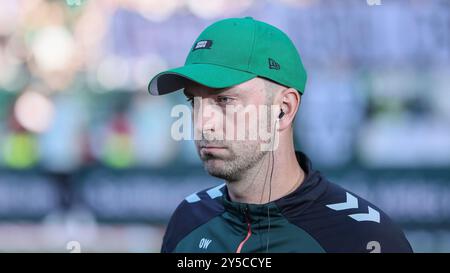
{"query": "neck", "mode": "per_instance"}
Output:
(256, 187)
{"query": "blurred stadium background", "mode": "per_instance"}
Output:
(86, 153)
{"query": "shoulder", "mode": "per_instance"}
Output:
(342, 221)
(362, 226)
(194, 211)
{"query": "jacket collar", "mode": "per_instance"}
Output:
(307, 192)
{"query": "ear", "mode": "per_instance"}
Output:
(289, 100)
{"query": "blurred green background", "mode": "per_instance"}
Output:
(86, 154)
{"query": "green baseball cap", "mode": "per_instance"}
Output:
(233, 51)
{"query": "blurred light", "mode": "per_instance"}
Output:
(150, 116)
(405, 143)
(156, 10)
(113, 72)
(53, 48)
(7, 73)
(74, 3)
(146, 67)
(14, 75)
(440, 89)
(118, 151)
(92, 20)
(8, 17)
(61, 145)
(298, 3)
(208, 9)
(395, 82)
(34, 111)
(117, 143)
(63, 226)
(20, 151)
(9, 70)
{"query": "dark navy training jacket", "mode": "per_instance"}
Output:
(318, 216)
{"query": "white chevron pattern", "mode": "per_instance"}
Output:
(372, 215)
(351, 202)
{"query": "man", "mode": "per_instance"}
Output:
(272, 200)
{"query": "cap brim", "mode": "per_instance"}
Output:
(210, 75)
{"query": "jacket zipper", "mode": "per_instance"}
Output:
(249, 232)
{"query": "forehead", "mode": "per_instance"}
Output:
(253, 87)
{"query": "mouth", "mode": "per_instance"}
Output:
(211, 148)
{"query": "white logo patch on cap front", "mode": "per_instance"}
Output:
(203, 44)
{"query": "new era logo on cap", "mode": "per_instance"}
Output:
(273, 64)
(204, 44)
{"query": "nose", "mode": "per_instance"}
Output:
(207, 115)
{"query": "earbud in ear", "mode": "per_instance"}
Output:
(281, 114)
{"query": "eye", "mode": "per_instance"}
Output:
(224, 100)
